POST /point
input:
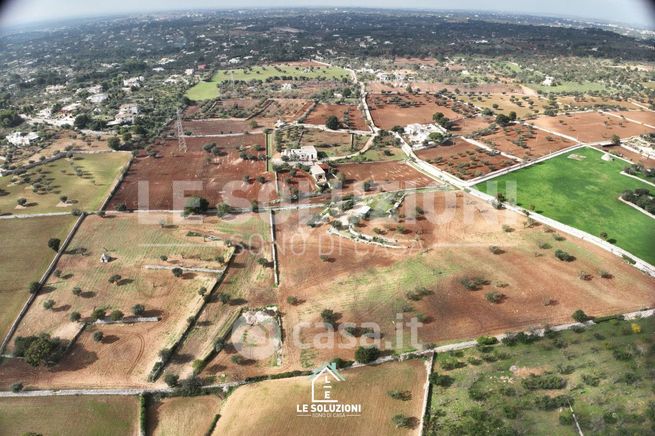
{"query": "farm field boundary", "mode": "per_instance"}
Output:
(646, 313)
(639, 263)
(42, 281)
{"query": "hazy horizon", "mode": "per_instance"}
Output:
(25, 12)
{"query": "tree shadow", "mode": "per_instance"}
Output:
(88, 294)
(123, 282)
(62, 308)
(109, 339)
(238, 301)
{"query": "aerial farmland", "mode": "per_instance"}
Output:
(327, 221)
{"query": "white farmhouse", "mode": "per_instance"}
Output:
(20, 139)
(306, 153)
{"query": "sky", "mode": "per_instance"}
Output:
(638, 12)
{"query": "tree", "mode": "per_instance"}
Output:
(502, 120)
(138, 309)
(332, 122)
(366, 354)
(329, 317)
(580, 316)
(262, 261)
(97, 336)
(81, 121)
(98, 313)
(616, 140)
(224, 298)
(116, 278)
(177, 272)
(21, 201)
(77, 291)
(292, 300)
(37, 349)
(16, 387)
(197, 366)
(165, 354)
(196, 205)
(49, 304)
(116, 315)
(401, 420)
(222, 209)
(75, 316)
(54, 244)
(34, 287)
(171, 379)
(114, 143)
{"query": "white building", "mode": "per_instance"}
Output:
(418, 135)
(548, 81)
(126, 114)
(97, 98)
(18, 138)
(306, 153)
(318, 174)
(133, 82)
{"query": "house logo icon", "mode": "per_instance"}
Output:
(323, 404)
(322, 382)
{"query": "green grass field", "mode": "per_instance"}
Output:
(584, 194)
(607, 370)
(569, 87)
(69, 416)
(208, 90)
(85, 179)
(24, 257)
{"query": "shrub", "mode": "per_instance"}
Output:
(48, 304)
(494, 297)
(546, 381)
(487, 340)
(97, 336)
(441, 380)
(292, 300)
(16, 387)
(75, 316)
(564, 256)
(496, 249)
(177, 272)
(473, 283)
(138, 309)
(400, 395)
(366, 354)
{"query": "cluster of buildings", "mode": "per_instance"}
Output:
(307, 155)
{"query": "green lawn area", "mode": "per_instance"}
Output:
(69, 416)
(583, 194)
(24, 257)
(86, 179)
(569, 87)
(605, 371)
(208, 90)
